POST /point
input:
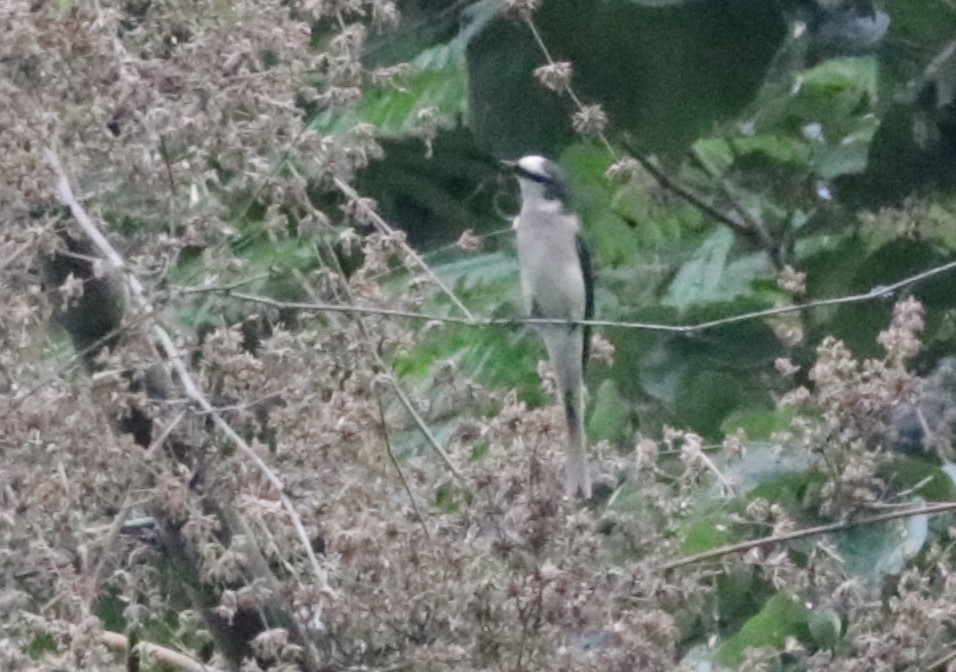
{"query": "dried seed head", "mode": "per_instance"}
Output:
(792, 281)
(554, 76)
(623, 170)
(589, 121)
(521, 9)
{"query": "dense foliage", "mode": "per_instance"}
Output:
(282, 413)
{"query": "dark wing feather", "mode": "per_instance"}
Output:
(584, 255)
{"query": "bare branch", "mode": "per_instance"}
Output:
(877, 292)
(398, 468)
(175, 359)
(748, 229)
(386, 371)
(928, 510)
(384, 227)
(740, 228)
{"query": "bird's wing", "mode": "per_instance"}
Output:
(587, 271)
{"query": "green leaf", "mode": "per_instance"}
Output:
(795, 490)
(706, 532)
(780, 149)
(706, 396)
(768, 463)
(930, 481)
(825, 628)
(678, 67)
(872, 552)
(850, 155)
(781, 617)
(610, 416)
(438, 81)
(713, 276)
(477, 269)
(758, 424)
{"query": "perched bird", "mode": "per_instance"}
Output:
(556, 284)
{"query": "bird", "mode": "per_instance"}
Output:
(556, 275)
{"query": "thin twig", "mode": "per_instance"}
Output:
(749, 230)
(877, 292)
(186, 380)
(385, 228)
(756, 224)
(567, 87)
(943, 660)
(738, 227)
(112, 533)
(401, 474)
(928, 510)
(450, 247)
(386, 371)
(163, 435)
(224, 287)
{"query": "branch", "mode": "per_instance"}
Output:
(163, 655)
(928, 510)
(398, 468)
(730, 193)
(385, 228)
(750, 231)
(877, 292)
(386, 371)
(186, 380)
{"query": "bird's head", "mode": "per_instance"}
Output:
(541, 181)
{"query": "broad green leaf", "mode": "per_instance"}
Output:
(438, 81)
(677, 69)
(796, 491)
(476, 269)
(624, 225)
(931, 482)
(781, 617)
(766, 463)
(610, 415)
(713, 275)
(850, 155)
(706, 396)
(872, 552)
(702, 533)
(825, 628)
(781, 149)
(758, 424)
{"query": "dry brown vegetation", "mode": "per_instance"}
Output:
(123, 498)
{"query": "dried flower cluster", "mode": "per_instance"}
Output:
(854, 405)
(117, 497)
(322, 532)
(554, 76)
(590, 120)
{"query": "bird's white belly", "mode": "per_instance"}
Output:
(555, 286)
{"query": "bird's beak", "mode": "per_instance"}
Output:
(509, 166)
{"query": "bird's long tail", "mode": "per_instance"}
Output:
(565, 349)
